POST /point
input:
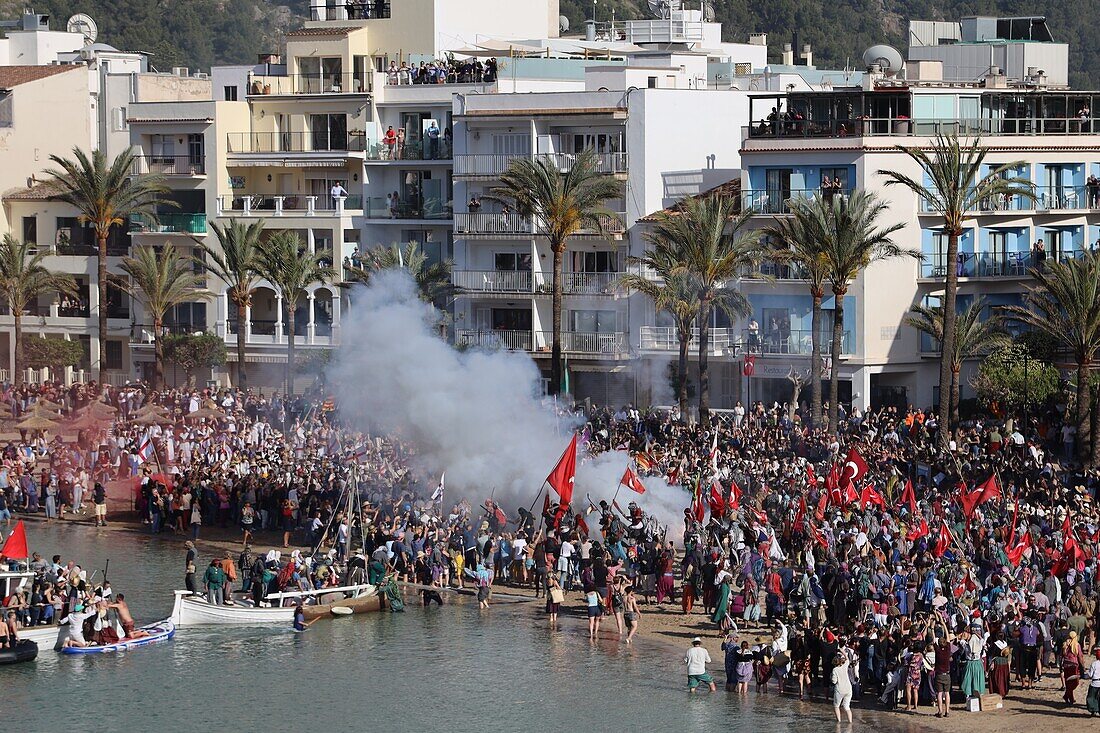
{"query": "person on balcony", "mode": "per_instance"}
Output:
(433, 141)
(1038, 255)
(390, 141)
(1092, 191)
(337, 192)
(754, 334)
(392, 74)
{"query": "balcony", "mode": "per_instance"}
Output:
(590, 283)
(493, 281)
(905, 127)
(1047, 199)
(493, 339)
(791, 342)
(577, 342)
(263, 205)
(493, 224)
(438, 150)
(991, 264)
(170, 224)
(666, 338)
(353, 141)
(351, 10)
(480, 165)
(433, 209)
(777, 200)
(169, 165)
(347, 82)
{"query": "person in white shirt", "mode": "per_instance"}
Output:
(1092, 702)
(696, 660)
(842, 688)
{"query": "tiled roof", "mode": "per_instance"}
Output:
(11, 76)
(40, 191)
(729, 188)
(319, 32)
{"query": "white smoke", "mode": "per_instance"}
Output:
(474, 414)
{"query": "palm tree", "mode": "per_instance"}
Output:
(161, 278)
(23, 278)
(956, 190)
(803, 235)
(705, 232)
(973, 336)
(562, 203)
(674, 292)
(285, 263)
(852, 242)
(106, 195)
(1063, 305)
(433, 279)
(235, 263)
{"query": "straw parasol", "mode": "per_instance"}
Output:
(153, 419)
(37, 422)
(150, 409)
(205, 412)
(89, 421)
(47, 405)
(99, 409)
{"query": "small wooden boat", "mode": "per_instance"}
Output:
(47, 637)
(194, 610)
(160, 631)
(24, 650)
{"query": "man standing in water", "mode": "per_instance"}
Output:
(696, 660)
(300, 623)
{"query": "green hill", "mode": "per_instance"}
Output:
(200, 33)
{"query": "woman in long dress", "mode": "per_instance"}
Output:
(722, 600)
(1073, 662)
(973, 681)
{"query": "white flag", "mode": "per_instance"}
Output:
(438, 494)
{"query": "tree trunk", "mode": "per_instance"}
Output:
(101, 256)
(290, 350)
(1094, 426)
(815, 362)
(17, 366)
(1083, 442)
(947, 346)
(834, 372)
(955, 391)
(682, 373)
(555, 348)
(242, 329)
(704, 364)
(158, 356)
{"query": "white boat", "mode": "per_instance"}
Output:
(193, 609)
(47, 637)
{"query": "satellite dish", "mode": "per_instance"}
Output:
(563, 23)
(886, 57)
(84, 25)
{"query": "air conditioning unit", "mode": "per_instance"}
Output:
(179, 71)
(201, 75)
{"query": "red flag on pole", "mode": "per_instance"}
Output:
(698, 508)
(564, 474)
(969, 499)
(631, 481)
(16, 545)
(990, 490)
(909, 496)
(870, 495)
(734, 502)
(921, 530)
(716, 500)
(855, 468)
(943, 541)
(1016, 550)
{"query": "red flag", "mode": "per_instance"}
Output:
(1015, 551)
(582, 525)
(909, 496)
(800, 515)
(968, 499)
(870, 495)
(717, 500)
(761, 517)
(546, 504)
(919, 531)
(698, 507)
(832, 486)
(750, 366)
(631, 481)
(850, 494)
(990, 490)
(16, 546)
(943, 542)
(822, 504)
(810, 475)
(564, 474)
(1015, 516)
(735, 497)
(855, 468)
(819, 536)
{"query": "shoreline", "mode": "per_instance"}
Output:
(666, 629)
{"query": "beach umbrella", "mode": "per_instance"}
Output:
(100, 407)
(89, 421)
(153, 419)
(47, 405)
(37, 422)
(150, 409)
(205, 412)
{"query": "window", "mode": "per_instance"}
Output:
(593, 321)
(320, 74)
(186, 318)
(163, 149)
(652, 82)
(832, 174)
(112, 354)
(329, 132)
(512, 262)
(514, 144)
(6, 116)
(30, 229)
(511, 319)
(595, 261)
(230, 93)
(119, 116)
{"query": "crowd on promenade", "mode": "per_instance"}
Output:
(876, 560)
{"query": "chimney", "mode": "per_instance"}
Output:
(270, 58)
(589, 30)
(788, 55)
(758, 39)
(807, 55)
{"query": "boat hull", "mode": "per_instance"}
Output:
(193, 610)
(47, 637)
(161, 631)
(25, 650)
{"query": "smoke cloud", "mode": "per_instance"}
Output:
(476, 414)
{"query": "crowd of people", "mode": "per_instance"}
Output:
(876, 560)
(443, 71)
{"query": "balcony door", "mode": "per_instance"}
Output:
(777, 182)
(329, 132)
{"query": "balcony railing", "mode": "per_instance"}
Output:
(419, 150)
(893, 127)
(493, 281)
(259, 204)
(172, 224)
(494, 339)
(788, 341)
(346, 82)
(169, 165)
(993, 264)
(378, 207)
(1047, 198)
(488, 223)
(666, 338)
(589, 283)
(485, 164)
(353, 141)
(352, 10)
(777, 200)
(585, 342)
